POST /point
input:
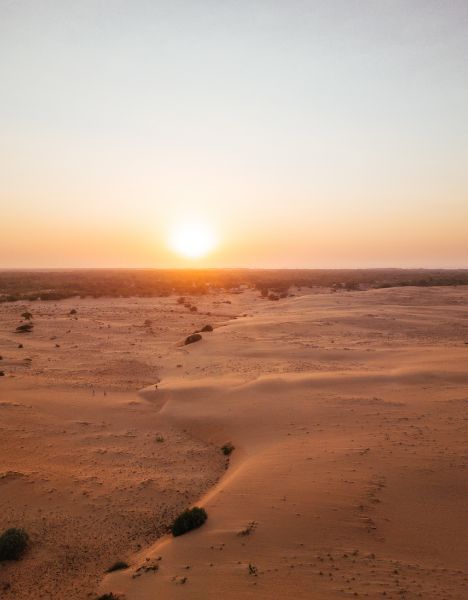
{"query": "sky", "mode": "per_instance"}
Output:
(299, 133)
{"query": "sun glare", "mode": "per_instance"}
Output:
(192, 239)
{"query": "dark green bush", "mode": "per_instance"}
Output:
(227, 449)
(13, 543)
(192, 518)
(195, 337)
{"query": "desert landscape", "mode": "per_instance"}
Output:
(324, 434)
(233, 300)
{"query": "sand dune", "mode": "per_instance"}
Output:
(350, 463)
(348, 416)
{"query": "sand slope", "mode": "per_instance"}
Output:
(348, 414)
(87, 466)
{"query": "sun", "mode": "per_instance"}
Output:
(192, 239)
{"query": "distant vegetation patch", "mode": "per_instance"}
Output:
(117, 566)
(13, 544)
(227, 449)
(249, 529)
(192, 518)
(185, 284)
(195, 337)
(25, 328)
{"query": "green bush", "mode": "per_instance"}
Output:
(227, 449)
(195, 337)
(192, 518)
(13, 543)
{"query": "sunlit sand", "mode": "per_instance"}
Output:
(345, 412)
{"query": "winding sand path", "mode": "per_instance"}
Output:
(348, 413)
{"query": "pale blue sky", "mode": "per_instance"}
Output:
(306, 133)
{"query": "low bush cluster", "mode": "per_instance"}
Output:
(192, 518)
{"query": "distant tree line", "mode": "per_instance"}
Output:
(272, 284)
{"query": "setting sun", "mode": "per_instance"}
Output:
(192, 239)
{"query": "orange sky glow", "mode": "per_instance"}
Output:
(235, 134)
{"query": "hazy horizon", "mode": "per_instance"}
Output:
(307, 134)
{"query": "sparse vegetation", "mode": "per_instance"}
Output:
(253, 570)
(192, 518)
(195, 337)
(37, 285)
(73, 311)
(13, 544)
(206, 328)
(117, 566)
(227, 449)
(108, 596)
(27, 316)
(25, 328)
(249, 529)
(159, 439)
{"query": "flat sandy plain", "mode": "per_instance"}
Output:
(348, 413)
